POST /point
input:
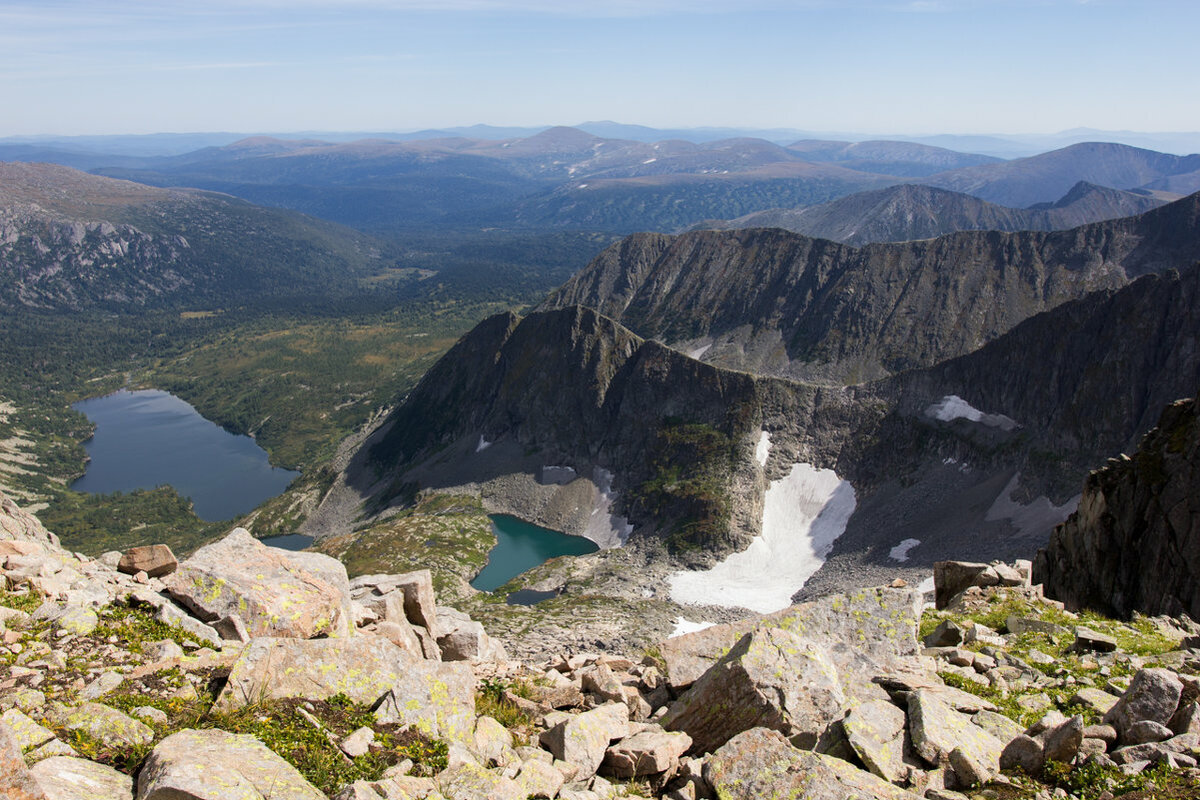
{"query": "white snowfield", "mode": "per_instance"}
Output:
(763, 449)
(900, 551)
(952, 407)
(804, 513)
(685, 626)
(604, 527)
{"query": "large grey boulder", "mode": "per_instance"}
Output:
(772, 678)
(647, 753)
(875, 731)
(217, 765)
(362, 667)
(937, 730)
(433, 697)
(582, 739)
(759, 763)
(1153, 694)
(69, 778)
(276, 593)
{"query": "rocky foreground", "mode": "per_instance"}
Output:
(250, 672)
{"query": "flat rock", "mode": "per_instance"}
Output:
(1153, 694)
(1095, 699)
(276, 592)
(467, 781)
(68, 778)
(155, 560)
(760, 763)
(107, 726)
(434, 697)
(647, 753)
(772, 678)
(361, 667)
(216, 765)
(27, 733)
(875, 731)
(1088, 639)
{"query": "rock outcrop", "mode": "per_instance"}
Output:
(1134, 543)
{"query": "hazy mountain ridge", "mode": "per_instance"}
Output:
(71, 240)
(914, 211)
(780, 303)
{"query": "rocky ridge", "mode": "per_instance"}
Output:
(110, 689)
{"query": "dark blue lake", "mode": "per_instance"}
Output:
(521, 546)
(150, 438)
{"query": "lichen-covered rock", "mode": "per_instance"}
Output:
(538, 779)
(759, 763)
(155, 560)
(107, 725)
(1153, 694)
(217, 765)
(435, 698)
(27, 733)
(583, 739)
(875, 731)
(16, 782)
(937, 729)
(467, 781)
(69, 778)
(772, 679)
(361, 667)
(275, 592)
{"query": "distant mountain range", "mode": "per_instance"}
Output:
(914, 211)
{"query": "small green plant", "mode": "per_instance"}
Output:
(136, 627)
(21, 601)
(490, 701)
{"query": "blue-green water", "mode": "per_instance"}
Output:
(521, 546)
(150, 438)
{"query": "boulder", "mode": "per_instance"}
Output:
(276, 592)
(1024, 752)
(464, 639)
(155, 560)
(361, 667)
(69, 778)
(1087, 639)
(760, 763)
(1095, 699)
(216, 765)
(466, 781)
(1062, 743)
(937, 729)
(16, 782)
(538, 779)
(582, 739)
(998, 725)
(772, 678)
(875, 731)
(400, 634)
(437, 699)
(952, 577)
(27, 733)
(647, 753)
(106, 725)
(415, 589)
(1153, 694)
(948, 633)
(600, 681)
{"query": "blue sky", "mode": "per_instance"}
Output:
(881, 66)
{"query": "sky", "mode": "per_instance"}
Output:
(71, 67)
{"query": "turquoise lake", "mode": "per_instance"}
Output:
(522, 546)
(151, 438)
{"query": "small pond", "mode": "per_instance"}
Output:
(522, 546)
(150, 438)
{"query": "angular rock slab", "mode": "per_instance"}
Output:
(1153, 694)
(155, 560)
(583, 739)
(865, 631)
(647, 753)
(107, 725)
(770, 679)
(759, 763)
(467, 781)
(16, 781)
(875, 730)
(435, 698)
(937, 730)
(277, 593)
(217, 765)
(67, 778)
(363, 668)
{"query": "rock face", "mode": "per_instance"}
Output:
(1134, 543)
(215, 765)
(276, 593)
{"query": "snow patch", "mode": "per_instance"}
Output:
(900, 551)
(604, 527)
(1035, 519)
(557, 475)
(484, 444)
(926, 586)
(581, 186)
(952, 407)
(763, 448)
(803, 514)
(699, 352)
(686, 626)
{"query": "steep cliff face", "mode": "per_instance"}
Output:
(1134, 543)
(778, 303)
